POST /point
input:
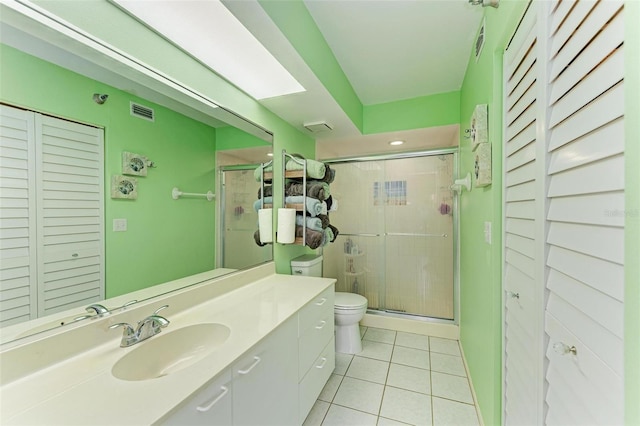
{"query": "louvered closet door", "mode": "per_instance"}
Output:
(523, 354)
(586, 204)
(18, 276)
(70, 214)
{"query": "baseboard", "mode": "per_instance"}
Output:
(473, 390)
(427, 328)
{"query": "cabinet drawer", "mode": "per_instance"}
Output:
(313, 340)
(315, 379)
(310, 314)
(211, 405)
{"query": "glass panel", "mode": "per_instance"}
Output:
(240, 221)
(356, 258)
(395, 245)
(419, 242)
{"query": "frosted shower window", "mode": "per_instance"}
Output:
(403, 228)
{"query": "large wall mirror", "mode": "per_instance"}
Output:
(154, 242)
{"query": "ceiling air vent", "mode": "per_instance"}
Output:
(316, 127)
(142, 111)
(479, 42)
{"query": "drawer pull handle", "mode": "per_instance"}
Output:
(321, 325)
(321, 366)
(513, 295)
(321, 302)
(204, 409)
(252, 366)
(564, 349)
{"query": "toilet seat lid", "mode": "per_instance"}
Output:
(349, 300)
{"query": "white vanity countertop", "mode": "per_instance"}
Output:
(82, 390)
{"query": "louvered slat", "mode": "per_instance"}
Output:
(18, 275)
(521, 376)
(71, 223)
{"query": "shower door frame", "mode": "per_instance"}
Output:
(456, 239)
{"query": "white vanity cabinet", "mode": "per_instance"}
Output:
(210, 406)
(265, 385)
(316, 349)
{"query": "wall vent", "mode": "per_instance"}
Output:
(479, 41)
(142, 111)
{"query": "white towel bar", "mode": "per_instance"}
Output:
(176, 193)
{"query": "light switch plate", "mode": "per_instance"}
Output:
(119, 225)
(487, 232)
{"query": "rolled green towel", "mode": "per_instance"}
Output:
(258, 171)
(314, 206)
(257, 205)
(312, 222)
(328, 236)
(315, 169)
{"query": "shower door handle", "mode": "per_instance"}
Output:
(405, 234)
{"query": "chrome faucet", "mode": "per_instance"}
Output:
(98, 309)
(148, 327)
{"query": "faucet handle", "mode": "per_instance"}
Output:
(129, 336)
(128, 330)
(159, 309)
(129, 303)
(98, 309)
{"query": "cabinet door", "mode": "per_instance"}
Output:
(210, 406)
(18, 275)
(69, 159)
(265, 380)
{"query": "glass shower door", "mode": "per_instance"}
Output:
(395, 245)
(240, 221)
(419, 236)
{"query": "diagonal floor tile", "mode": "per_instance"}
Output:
(380, 335)
(359, 395)
(446, 412)
(409, 378)
(449, 364)
(444, 346)
(406, 406)
(410, 357)
(451, 387)
(341, 416)
(369, 369)
(412, 340)
(376, 350)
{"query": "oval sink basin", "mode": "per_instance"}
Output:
(167, 353)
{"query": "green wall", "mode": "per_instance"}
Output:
(118, 31)
(425, 111)
(165, 238)
(229, 137)
(480, 262)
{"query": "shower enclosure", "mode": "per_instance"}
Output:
(397, 222)
(239, 220)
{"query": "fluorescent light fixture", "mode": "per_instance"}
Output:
(398, 142)
(209, 32)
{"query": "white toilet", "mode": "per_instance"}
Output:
(349, 308)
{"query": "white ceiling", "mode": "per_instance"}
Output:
(392, 50)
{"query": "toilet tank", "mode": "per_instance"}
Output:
(308, 265)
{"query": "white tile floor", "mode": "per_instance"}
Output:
(398, 379)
